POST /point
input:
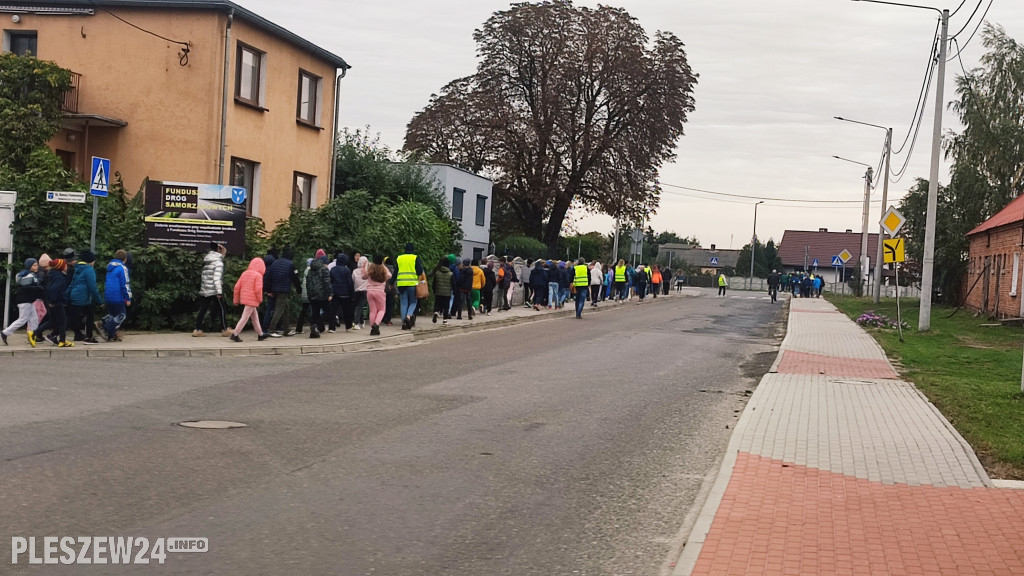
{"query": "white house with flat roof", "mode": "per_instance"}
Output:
(469, 196)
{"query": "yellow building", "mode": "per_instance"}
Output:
(189, 91)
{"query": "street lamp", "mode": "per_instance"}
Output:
(876, 294)
(864, 260)
(753, 246)
(924, 321)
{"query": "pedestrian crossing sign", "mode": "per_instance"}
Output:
(100, 177)
(714, 261)
(837, 262)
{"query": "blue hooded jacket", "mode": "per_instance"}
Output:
(116, 286)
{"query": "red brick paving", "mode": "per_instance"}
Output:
(778, 518)
(804, 363)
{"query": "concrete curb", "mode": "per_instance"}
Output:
(691, 550)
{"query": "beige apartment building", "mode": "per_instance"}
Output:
(200, 91)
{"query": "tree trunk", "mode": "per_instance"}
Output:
(554, 226)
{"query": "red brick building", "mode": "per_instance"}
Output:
(994, 269)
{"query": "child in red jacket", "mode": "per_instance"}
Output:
(249, 293)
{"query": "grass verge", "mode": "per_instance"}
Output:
(968, 368)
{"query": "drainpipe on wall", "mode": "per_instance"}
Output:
(334, 135)
(224, 99)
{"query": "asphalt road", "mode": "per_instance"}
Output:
(557, 447)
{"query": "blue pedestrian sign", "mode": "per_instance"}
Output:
(714, 261)
(815, 263)
(100, 177)
(837, 262)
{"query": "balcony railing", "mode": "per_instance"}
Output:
(71, 96)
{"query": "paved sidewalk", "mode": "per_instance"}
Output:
(179, 344)
(838, 467)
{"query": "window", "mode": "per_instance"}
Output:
(244, 173)
(309, 99)
(481, 209)
(457, 196)
(478, 254)
(303, 190)
(20, 42)
(250, 69)
(67, 159)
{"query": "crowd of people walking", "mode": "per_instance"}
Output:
(348, 291)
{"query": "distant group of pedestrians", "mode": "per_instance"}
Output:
(800, 284)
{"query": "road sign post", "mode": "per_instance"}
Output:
(7, 202)
(99, 187)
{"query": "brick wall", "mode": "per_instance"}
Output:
(991, 272)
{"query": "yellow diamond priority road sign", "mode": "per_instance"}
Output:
(845, 256)
(892, 221)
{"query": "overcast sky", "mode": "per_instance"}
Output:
(772, 76)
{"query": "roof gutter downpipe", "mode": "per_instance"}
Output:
(224, 99)
(334, 135)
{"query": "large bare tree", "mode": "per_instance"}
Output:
(569, 107)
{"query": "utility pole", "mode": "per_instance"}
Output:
(924, 321)
(615, 242)
(876, 295)
(885, 194)
(753, 247)
(865, 265)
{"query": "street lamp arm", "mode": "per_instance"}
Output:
(904, 5)
(853, 161)
(859, 122)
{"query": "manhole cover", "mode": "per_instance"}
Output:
(211, 424)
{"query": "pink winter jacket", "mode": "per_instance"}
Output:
(249, 288)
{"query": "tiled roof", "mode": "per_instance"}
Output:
(1013, 213)
(696, 256)
(822, 246)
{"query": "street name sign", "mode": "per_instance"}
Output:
(72, 197)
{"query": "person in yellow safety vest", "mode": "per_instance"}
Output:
(581, 284)
(409, 270)
(723, 283)
(620, 281)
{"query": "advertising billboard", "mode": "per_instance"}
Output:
(190, 216)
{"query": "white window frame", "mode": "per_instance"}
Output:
(310, 197)
(252, 190)
(317, 93)
(261, 87)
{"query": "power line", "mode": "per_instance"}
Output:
(960, 49)
(750, 197)
(184, 45)
(895, 177)
(922, 94)
(962, 2)
(970, 18)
